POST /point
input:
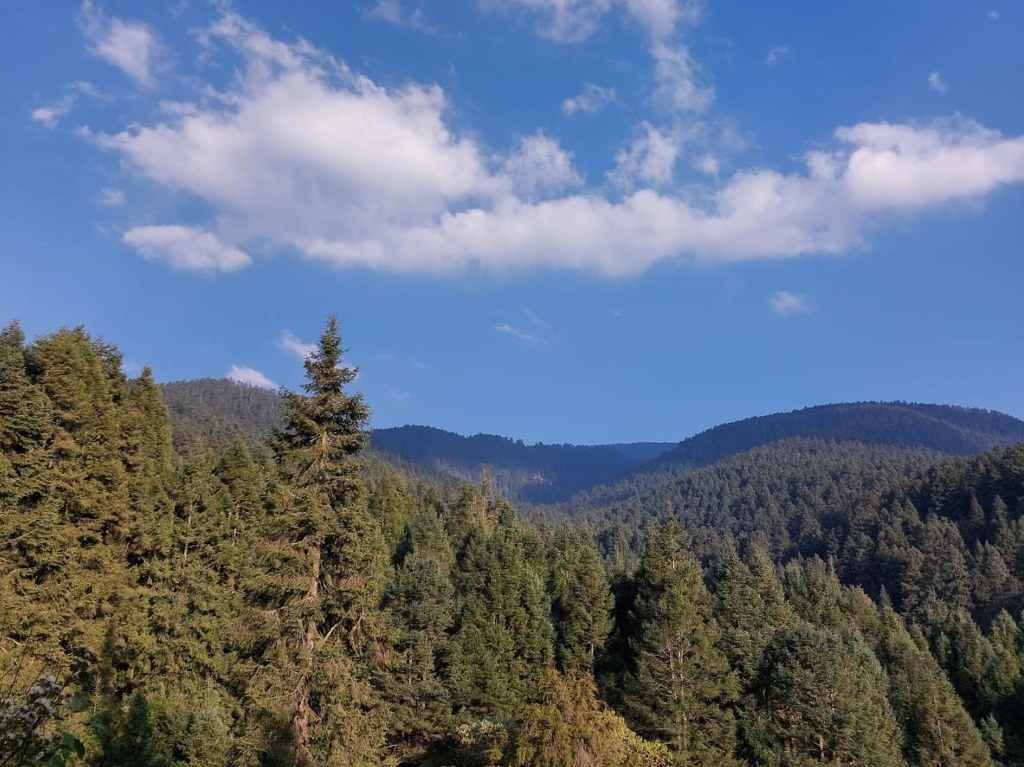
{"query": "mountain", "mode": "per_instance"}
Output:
(537, 473)
(945, 428)
(218, 412)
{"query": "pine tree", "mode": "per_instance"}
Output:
(503, 637)
(937, 728)
(681, 687)
(582, 601)
(750, 607)
(569, 726)
(825, 702)
(319, 591)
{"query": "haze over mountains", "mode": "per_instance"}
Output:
(222, 411)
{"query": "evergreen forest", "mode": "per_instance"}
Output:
(205, 574)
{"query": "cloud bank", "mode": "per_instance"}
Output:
(304, 154)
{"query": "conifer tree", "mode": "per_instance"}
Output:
(319, 586)
(750, 607)
(825, 700)
(582, 601)
(681, 688)
(503, 636)
(937, 729)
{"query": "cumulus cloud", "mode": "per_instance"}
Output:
(936, 83)
(592, 98)
(650, 159)
(538, 166)
(131, 46)
(295, 345)
(186, 247)
(304, 154)
(249, 377)
(787, 304)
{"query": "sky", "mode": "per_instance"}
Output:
(559, 220)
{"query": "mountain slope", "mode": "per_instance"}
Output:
(218, 412)
(536, 473)
(946, 428)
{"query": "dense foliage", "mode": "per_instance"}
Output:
(224, 601)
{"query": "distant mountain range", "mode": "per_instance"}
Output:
(945, 428)
(217, 411)
(538, 473)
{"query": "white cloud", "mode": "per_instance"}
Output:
(571, 21)
(788, 304)
(678, 87)
(993, 15)
(538, 166)
(708, 164)
(566, 21)
(304, 154)
(131, 46)
(777, 54)
(518, 334)
(249, 377)
(186, 247)
(295, 345)
(111, 198)
(592, 98)
(899, 166)
(51, 114)
(661, 17)
(650, 159)
(936, 83)
(393, 12)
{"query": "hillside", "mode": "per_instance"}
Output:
(219, 411)
(537, 472)
(946, 428)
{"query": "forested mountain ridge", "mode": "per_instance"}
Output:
(945, 428)
(537, 472)
(218, 411)
(293, 603)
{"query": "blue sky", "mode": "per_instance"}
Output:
(561, 220)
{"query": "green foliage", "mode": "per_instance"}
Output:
(582, 601)
(204, 597)
(825, 702)
(681, 685)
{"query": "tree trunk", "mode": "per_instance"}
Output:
(303, 711)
